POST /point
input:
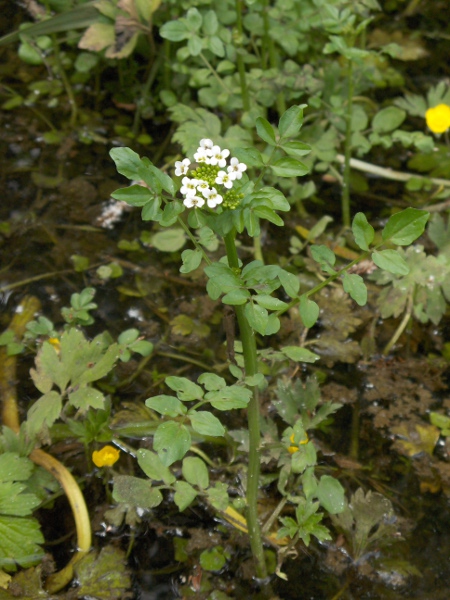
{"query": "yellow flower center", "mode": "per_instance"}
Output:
(438, 118)
(105, 457)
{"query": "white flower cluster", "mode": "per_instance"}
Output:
(200, 188)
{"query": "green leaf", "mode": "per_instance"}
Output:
(172, 440)
(300, 354)
(273, 198)
(127, 162)
(388, 119)
(45, 411)
(191, 260)
(195, 45)
(270, 302)
(152, 211)
(170, 214)
(214, 559)
(19, 539)
(211, 381)
(236, 297)
(128, 336)
(264, 212)
(136, 492)
(85, 397)
(175, 31)
(206, 423)
(362, 231)
(265, 131)
(251, 222)
(186, 390)
(104, 575)
(289, 167)
(134, 195)
(218, 496)
(152, 466)
(14, 502)
(309, 311)
(391, 261)
(291, 121)
(194, 19)
(296, 149)
(14, 467)
(330, 494)
(306, 456)
(91, 359)
(290, 282)
(257, 316)
(166, 405)
(232, 396)
(195, 472)
(324, 256)
(355, 286)
(170, 240)
(441, 421)
(250, 156)
(184, 495)
(210, 23)
(406, 226)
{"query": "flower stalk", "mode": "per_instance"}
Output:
(251, 368)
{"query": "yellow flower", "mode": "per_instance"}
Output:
(105, 457)
(292, 449)
(55, 343)
(438, 118)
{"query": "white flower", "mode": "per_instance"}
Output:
(212, 198)
(193, 201)
(224, 179)
(202, 186)
(236, 168)
(182, 167)
(189, 187)
(202, 155)
(218, 156)
(206, 144)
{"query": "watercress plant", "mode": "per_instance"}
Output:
(225, 194)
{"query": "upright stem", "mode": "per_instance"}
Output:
(66, 83)
(251, 368)
(348, 149)
(273, 55)
(240, 59)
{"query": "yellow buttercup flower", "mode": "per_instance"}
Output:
(293, 448)
(105, 457)
(438, 118)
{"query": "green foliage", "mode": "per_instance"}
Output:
(104, 575)
(20, 535)
(8, 339)
(368, 520)
(248, 61)
(80, 307)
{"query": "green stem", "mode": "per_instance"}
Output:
(66, 83)
(144, 95)
(251, 368)
(240, 59)
(166, 76)
(273, 55)
(214, 73)
(348, 149)
(401, 328)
